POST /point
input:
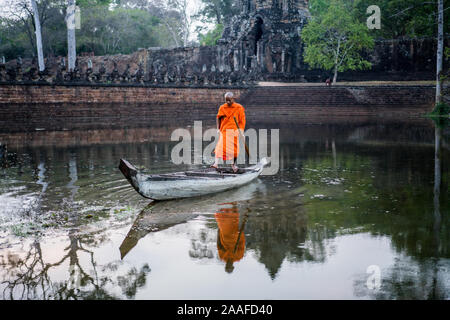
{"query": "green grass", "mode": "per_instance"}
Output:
(24, 229)
(440, 114)
(441, 109)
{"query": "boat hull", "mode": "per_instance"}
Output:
(179, 185)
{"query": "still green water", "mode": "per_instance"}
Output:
(349, 198)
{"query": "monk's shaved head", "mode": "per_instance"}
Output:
(229, 98)
(229, 95)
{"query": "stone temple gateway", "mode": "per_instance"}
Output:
(265, 36)
(262, 42)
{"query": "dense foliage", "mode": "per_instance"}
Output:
(217, 11)
(106, 27)
(211, 37)
(123, 26)
(404, 18)
(399, 18)
(334, 39)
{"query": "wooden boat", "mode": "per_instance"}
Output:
(188, 183)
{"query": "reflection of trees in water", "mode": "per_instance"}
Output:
(388, 194)
(278, 228)
(133, 280)
(391, 195)
(273, 236)
(409, 279)
(398, 176)
(30, 277)
(423, 275)
(416, 227)
(276, 237)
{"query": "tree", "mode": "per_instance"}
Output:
(18, 27)
(440, 51)
(168, 16)
(318, 7)
(216, 11)
(399, 18)
(334, 40)
(120, 30)
(37, 24)
(177, 18)
(182, 7)
(71, 41)
(104, 30)
(211, 37)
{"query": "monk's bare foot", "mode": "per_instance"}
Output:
(214, 166)
(235, 168)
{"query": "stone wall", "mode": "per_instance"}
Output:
(315, 103)
(393, 60)
(110, 94)
(413, 59)
(32, 107)
(315, 96)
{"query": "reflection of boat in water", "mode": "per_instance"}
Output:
(189, 183)
(162, 215)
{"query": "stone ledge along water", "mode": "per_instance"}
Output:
(19, 102)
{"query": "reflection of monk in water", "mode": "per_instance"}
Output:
(230, 240)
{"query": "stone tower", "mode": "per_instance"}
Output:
(264, 37)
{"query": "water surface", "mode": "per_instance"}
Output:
(349, 195)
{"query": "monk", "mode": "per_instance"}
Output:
(230, 240)
(227, 147)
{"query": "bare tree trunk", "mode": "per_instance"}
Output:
(37, 24)
(186, 23)
(335, 74)
(29, 33)
(437, 187)
(440, 50)
(336, 61)
(181, 6)
(218, 16)
(71, 42)
(174, 36)
(164, 8)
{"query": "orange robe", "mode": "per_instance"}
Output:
(227, 147)
(228, 236)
